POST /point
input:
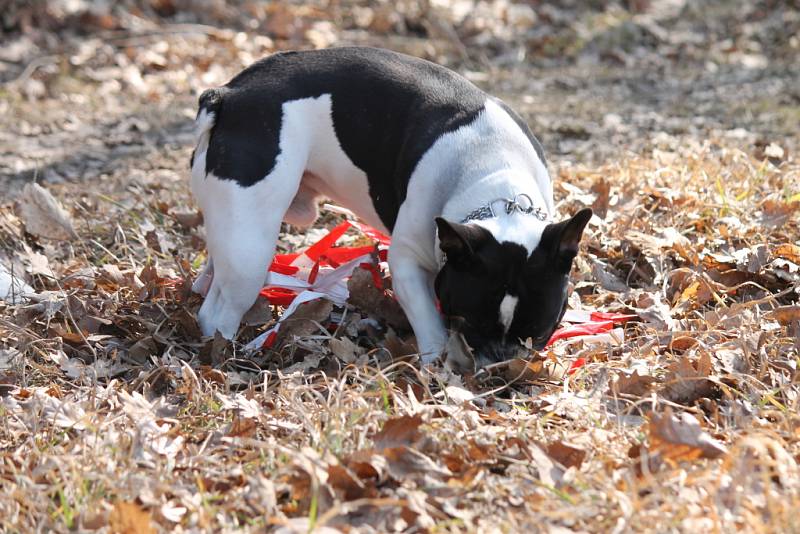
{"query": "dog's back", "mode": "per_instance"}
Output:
(387, 110)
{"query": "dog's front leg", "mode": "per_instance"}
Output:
(412, 286)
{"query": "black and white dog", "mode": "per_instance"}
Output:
(411, 148)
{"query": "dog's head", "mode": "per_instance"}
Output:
(497, 294)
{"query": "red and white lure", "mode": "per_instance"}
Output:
(320, 271)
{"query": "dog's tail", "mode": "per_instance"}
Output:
(209, 106)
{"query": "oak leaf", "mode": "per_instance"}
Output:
(686, 383)
(633, 384)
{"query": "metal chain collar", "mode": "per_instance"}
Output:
(511, 205)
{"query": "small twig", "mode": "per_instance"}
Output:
(71, 317)
(31, 67)
(169, 29)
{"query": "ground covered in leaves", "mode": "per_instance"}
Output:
(677, 124)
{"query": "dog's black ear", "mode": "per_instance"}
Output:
(459, 241)
(569, 238)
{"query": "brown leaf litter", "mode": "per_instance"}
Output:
(117, 415)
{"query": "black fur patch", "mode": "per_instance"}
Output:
(388, 109)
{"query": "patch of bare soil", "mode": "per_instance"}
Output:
(676, 121)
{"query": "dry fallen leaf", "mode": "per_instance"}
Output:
(306, 320)
(345, 350)
(398, 431)
(682, 343)
(260, 313)
(685, 382)
(402, 462)
(608, 280)
(601, 188)
(43, 214)
(566, 454)
(130, 518)
(398, 347)
(309, 362)
(37, 263)
(681, 438)
(12, 288)
(633, 384)
(788, 251)
(308, 481)
(141, 351)
(776, 213)
(375, 301)
(537, 368)
(695, 295)
(188, 219)
(550, 473)
(242, 427)
(785, 315)
(360, 463)
(348, 484)
(215, 351)
(525, 370)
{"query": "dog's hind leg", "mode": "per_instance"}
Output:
(243, 214)
(242, 232)
(242, 226)
(303, 210)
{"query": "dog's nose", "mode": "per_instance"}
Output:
(475, 340)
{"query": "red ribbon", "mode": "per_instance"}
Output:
(323, 253)
(583, 329)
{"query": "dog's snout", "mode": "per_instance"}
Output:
(496, 352)
(540, 343)
(455, 322)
